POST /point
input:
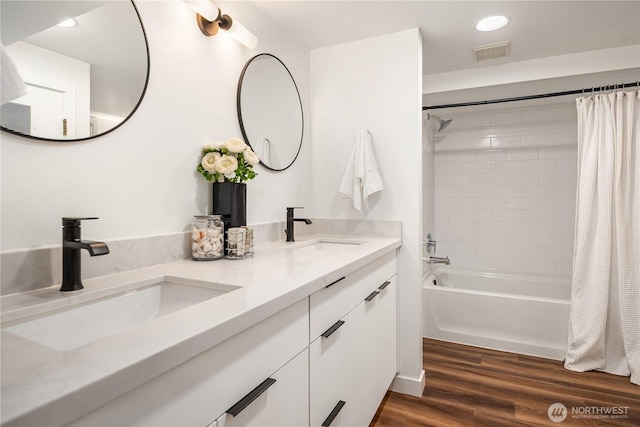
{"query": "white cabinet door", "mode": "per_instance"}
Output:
(363, 364)
(387, 336)
(284, 403)
(372, 352)
(328, 372)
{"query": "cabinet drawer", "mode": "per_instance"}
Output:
(328, 305)
(328, 373)
(199, 390)
(371, 277)
(283, 404)
(339, 416)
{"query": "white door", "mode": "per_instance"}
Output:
(47, 111)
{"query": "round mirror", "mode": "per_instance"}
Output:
(270, 111)
(84, 78)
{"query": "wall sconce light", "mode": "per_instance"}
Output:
(210, 19)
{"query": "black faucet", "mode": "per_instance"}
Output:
(290, 220)
(71, 246)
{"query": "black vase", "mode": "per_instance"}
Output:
(230, 202)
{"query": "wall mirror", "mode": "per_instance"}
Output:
(270, 111)
(82, 80)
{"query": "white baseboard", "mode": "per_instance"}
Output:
(410, 386)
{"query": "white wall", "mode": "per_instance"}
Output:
(140, 179)
(375, 84)
(505, 188)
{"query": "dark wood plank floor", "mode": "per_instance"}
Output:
(469, 386)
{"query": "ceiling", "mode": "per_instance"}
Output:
(536, 29)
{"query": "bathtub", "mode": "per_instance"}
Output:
(520, 314)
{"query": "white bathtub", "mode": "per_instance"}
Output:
(519, 314)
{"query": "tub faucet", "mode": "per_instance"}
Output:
(290, 221)
(438, 260)
(431, 244)
(71, 246)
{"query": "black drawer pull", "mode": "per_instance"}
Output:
(384, 285)
(332, 416)
(334, 282)
(372, 295)
(332, 329)
(253, 395)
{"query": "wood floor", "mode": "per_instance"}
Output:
(469, 386)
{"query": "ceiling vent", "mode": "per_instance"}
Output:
(492, 51)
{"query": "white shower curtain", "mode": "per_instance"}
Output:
(604, 325)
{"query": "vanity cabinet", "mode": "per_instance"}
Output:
(324, 361)
(199, 391)
(353, 360)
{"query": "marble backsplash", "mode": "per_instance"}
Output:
(25, 270)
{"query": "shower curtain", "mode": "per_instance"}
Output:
(604, 325)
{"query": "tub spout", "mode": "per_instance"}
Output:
(438, 260)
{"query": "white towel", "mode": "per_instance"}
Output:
(12, 84)
(361, 178)
(262, 148)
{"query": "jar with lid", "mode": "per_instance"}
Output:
(207, 238)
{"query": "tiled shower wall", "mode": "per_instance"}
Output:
(505, 188)
(428, 181)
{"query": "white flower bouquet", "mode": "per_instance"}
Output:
(229, 161)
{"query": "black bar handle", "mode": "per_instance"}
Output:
(332, 329)
(253, 395)
(334, 282)
(384, 285)
(372, 295)
(334, 413)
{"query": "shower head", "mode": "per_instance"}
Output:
(443, 123)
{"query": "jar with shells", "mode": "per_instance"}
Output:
(207, 238)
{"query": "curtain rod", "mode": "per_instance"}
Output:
(527, 97)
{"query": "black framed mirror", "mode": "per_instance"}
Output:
(270, 111)
(82, 81)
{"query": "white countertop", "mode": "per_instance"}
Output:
(41, 385)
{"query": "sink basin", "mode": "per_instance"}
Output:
(87, 322)
(326, 245)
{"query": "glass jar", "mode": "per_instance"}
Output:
(207, 237)
(236, 242)
(248, 241)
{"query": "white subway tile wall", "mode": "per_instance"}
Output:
(428, 180)
(505, 188)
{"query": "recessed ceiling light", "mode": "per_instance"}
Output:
(68, 23)
(492, 23)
